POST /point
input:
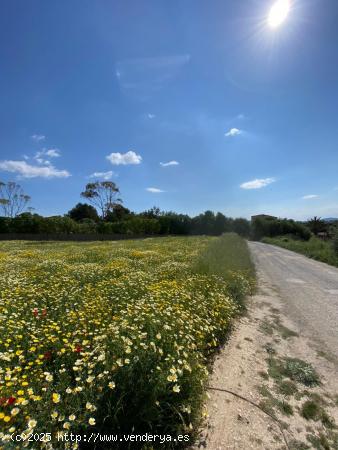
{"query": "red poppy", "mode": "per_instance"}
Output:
(78, 349)
(47, 355)
(11, 400)
(35, 312)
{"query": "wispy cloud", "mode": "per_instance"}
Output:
(154, 190)
(41, 156)
(124, 159)
(258, 183)
(25, 170)
(104, 175)
(169, 163)
(141, 77)
(38, 137)
(233, 132)
(241, 116)
(151, 116)
(310, 197)
(53, 153)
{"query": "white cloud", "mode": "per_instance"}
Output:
(25, 170)
(42, 161)
(241, 116)
(154, 190)
(151, 116)
(130, 157)
(169, 163)
(105, 175)
(38, 137)
(310, 197)
(49, 153)
(258, 183)
(53, 153)
(233, 132)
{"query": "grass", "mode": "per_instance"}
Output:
(287, 388)
(310, 410)
(298, 445)
(229, 258)
(319, 442)
(314, 248)
(113, 337)
(270, 403)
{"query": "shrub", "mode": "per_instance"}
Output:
(87, 226)
(300, 371)
(27, 223)
(105, 228)
(5, 225)
(310, 410)
(335, 243)
(58, 224)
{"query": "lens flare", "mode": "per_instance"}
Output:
(278, 13)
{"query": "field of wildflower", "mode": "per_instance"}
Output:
(112, 337)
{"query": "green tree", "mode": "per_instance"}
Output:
(83, 211)
(103, 195)
(241, 227)
(151, 213)
(222, 224)
(118, 212)
(13, 200)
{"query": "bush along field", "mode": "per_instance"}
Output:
(325, 251)
(113, 337)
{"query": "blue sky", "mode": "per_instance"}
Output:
(247, 115)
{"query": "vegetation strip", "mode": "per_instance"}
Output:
(314, 248)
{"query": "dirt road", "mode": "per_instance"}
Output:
(282, 360)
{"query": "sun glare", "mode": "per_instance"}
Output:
(278, 13)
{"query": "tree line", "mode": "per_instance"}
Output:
(151, 222)
(105, 214)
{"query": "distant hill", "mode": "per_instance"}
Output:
(331, 219)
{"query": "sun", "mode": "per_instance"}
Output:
(278, 13)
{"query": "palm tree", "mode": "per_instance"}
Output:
(316, 225)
